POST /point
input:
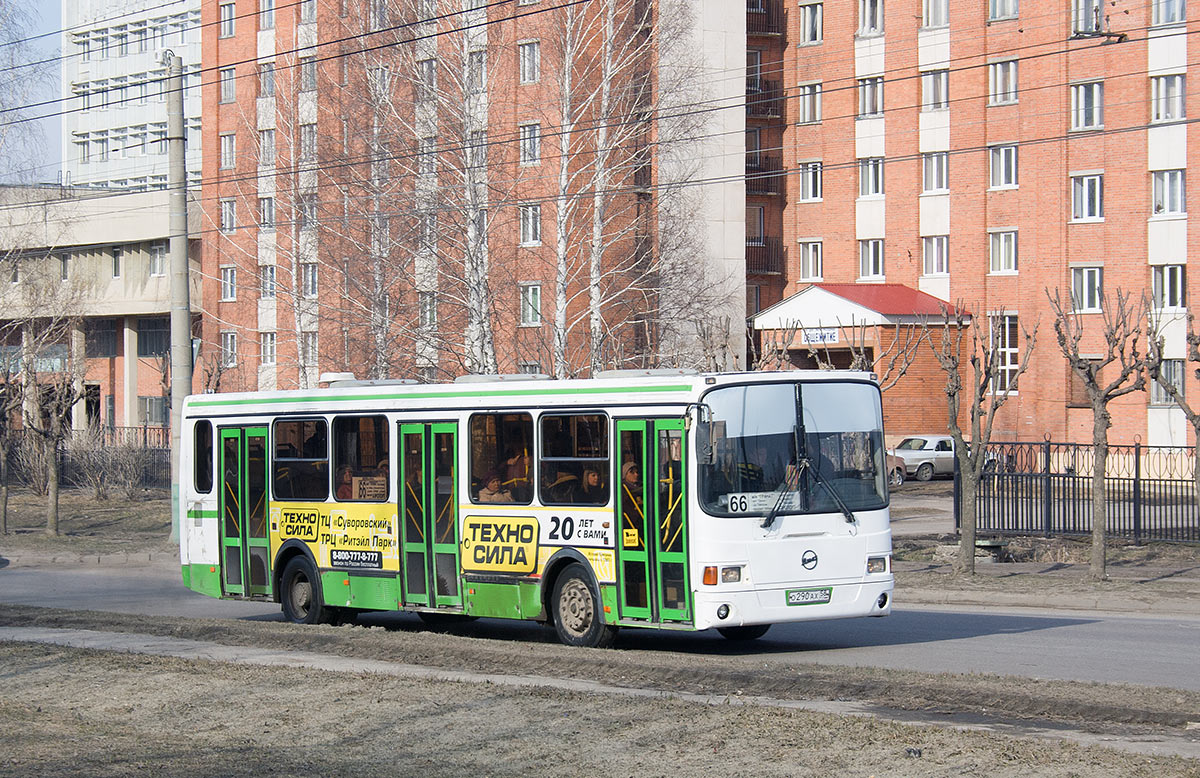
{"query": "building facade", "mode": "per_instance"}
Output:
(114, 120)
(994, 155)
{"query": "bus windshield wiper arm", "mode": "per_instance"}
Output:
(806, 464)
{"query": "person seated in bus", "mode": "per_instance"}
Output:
(517, 469)
(565, 487)
(593, 491)
(345, 484)
(492, 489)
(632, 516)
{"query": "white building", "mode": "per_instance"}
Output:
(114, 123)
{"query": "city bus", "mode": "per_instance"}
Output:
(684, 501)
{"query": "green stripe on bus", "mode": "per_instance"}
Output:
(435, 395)
(205, 579)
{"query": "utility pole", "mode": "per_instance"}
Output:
(181, 308)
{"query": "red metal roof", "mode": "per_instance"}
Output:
(891, 299)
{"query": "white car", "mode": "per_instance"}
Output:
(927, 455)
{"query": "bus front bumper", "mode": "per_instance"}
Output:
(802, 602)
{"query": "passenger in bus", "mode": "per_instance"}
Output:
(492, 490)
(631, 481)
(593, 491)
(345, 488)
(517, 469)
(565, 487)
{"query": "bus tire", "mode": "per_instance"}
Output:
(748, 632)
(300, 593)
(575, 604)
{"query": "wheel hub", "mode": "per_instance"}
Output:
(575, 607)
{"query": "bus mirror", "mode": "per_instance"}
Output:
(704, 432)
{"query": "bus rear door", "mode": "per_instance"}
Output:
(245, 552)
(652, 510)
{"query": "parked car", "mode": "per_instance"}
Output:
(927, 455)
(895, 468)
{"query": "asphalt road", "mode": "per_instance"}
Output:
(1030, 643)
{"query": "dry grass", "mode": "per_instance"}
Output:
(116, 525)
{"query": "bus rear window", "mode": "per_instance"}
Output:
(202, 456)
(301, 467)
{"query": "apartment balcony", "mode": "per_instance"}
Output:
(764, 17)
(764, 174)
(764, 99)
(765, 256)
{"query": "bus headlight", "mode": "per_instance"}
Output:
(876, 564)
(731, 574)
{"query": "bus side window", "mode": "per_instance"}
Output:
(301, 465)
(574, 464)
(360, 458)
(502, 458)
(202, 455)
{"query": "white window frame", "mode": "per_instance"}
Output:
(870, 177)
(935, 90)
(529, 57)
(228, 283)
(1004, 166)
(266, 348)
(812, 255)
(228, 349)
(812, 23)
(1002, 82)
(1168, 98)
(308, 73)
(309, 345)
(158, 259)
(1003, 252)
(530, 301)
(1167, 12)
(1168, 192)
(308, 11)
(1173, 370)
(871, 260)
(1087, 197)
(228, 80)
(812, 175)
(266, 14)
(1007, 344)
(228, 215)
(808, 103)
(1087, 105)
(870, 17)
(1087, 288)
(935, 255)
(309, 280)
(531, 143)
(935, 172)
(228, 150)
(935, 13)
(1003, 9)
(530, 216)
(308, 142)
(266, 213)
(266, 148)
(1168, 287)
(870, 97)
(228, 15)
(268, 285)
(427, 310)
(1087, 15)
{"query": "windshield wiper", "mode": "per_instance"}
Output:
(806, 464)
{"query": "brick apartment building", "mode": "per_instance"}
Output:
(423, 189)
(984, 153)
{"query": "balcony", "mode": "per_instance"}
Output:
(764, 99)
(764, 17)
(765, 256)
(764, 174)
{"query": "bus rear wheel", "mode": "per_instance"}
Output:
(576, 609)
(301, 593)
(748, 632)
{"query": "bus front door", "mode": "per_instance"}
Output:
(245, 555)
(652, 510)
(429, 511)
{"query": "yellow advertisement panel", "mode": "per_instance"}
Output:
(499, 544)
(354, 536)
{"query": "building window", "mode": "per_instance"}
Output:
(530, 61)
(811, 174)
(870, 97)
(426, 79)
(228, 150)
(308, 279)
(935, 13)
(1087, 106)
(477, 148)
(153, 336)
(870, 17)
(266, 79)
(529, 368)
(227, 20)
(308, 74)
(64, 267)
(531, 224)
(427, 310)
(935, 90)
(1169, 286)
(308, 10)
(531, 305)
(228, 283)
(1167, 98)
(266, 148)
(1003, 251)
(1087, 197)
(936, 171)
(308, 349)
(1002, 9)
(870, 176)
(1006, 344)
(266, 213)
(755, 226)
(1087, 15)
(476, 72)
(266, 348)
(266, 274)
(307, 206)
(1003, 166)
(308, 142)
(266, 14)
(531, 143)
(152, 411)
(808, 103)
(812, 23)
(870, 259)
(158, 258)
(1168, 11)
(228, 216)
(228, 79)
(1002, 82)
(1087, 289)
(1171, 371)
(228, 356)
(937, 255)
(1169, 192)
(811, 268)
(117, 254)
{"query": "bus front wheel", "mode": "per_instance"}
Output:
(749, 632)
(576, 606)
(301, 593)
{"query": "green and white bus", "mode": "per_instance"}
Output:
(635, 499)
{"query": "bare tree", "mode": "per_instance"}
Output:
(865, 342)
(996, 362)
(1117, 369)
(1172, 385)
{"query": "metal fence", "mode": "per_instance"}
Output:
(153, 443)
(1045, 488)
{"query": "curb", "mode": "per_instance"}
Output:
(141, 559)
(1158, 606)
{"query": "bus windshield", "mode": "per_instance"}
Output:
(767, 440)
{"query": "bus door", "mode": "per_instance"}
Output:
(429, 515)
(245, 552)
(652, 510)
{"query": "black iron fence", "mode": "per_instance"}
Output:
(1045, 488)
(144, 451)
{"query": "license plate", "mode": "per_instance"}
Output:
(818, 596)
